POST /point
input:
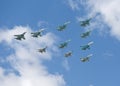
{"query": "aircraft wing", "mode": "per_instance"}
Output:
(41, 30)
(90, 55)
(67, 22)
(16, 35)
(18, 38)
(90, 43)
(32, 33)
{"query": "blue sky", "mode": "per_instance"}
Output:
(30, 15)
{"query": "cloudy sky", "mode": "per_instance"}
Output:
(22, 65)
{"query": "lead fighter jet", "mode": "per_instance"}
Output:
(85, 22)
(85, 34)
(68, 54)
(85, 59)
(62, 27)
(20, 36)
(87, 46)
(64, 44)
(42, 49)
(36, 34)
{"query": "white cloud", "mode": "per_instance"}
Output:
(73, 4)
(108, 54)
(108, 11)
(27, 61)
(65, 64)
(76, 4)
(42, 23)
(91, 85)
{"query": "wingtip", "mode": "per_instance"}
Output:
(67, 22)
(69, 40)
(90, 55)
(90, 43)
(42, 29)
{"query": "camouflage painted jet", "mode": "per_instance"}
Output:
(64, 44)
(39, 33)
(63, 27)
(42, 50)
(20, 36)
(85, 59)
(85, 22)
(68, 54)
(87, 46)
(85, 34)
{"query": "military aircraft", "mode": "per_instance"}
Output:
(85, 22)
(62, 27)
(42, 50)
(20, 36)
(87, 46)
(39, 33)
(64, 44)
(85, 34)
(68, 54)
(85, 59)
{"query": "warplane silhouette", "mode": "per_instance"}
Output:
(85, 59)
(20, 36)
(36, 34)
(87, 46)
(85, 22)
(63, 27)
(42, 50)
(68, 54)
(64, 44)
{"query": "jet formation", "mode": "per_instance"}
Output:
(65, 43)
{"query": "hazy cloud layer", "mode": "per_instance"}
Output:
(108, 11)
(27, 61)
(65, 64)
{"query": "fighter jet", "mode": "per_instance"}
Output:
(63, 27)
(85, 59)
(39, 33)
(20, 36)
(87, 46)
(42, 50)
(68, 54)
(85, 22)
(85, 34)
(64, 44)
